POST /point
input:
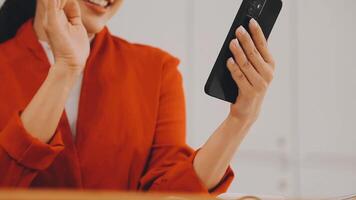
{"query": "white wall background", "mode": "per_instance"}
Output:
(304, 143)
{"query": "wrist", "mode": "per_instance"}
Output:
(243, 123)
(234, 128)
(59, 75)
(63, 71)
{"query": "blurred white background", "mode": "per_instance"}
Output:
(304, 143)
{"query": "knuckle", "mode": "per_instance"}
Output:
(234, 69)
(239, 75)
(273, 63)
(48, 26)
(270, 76)
(253, 52)
(246, 65)
(262, 87)
(46, 29)
(262, 43)
(242, 38)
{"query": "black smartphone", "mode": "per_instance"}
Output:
(220, 83)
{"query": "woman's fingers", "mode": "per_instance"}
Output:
(51, 21)
(52, 11)
(238, 75)
(249, 48)
(260, 41)
(253, 54)
(250, 72)
(63, 11)
(72, 11)
(61, 3)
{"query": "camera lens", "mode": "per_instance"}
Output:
(257, 4)
(250, 10)
(256, 7)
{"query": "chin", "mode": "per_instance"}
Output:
(96, 13)
(93, 27)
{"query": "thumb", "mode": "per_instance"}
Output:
(72, 11)
(62, 3)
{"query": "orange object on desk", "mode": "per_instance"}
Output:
(130, 129)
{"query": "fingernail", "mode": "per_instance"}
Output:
(231, 60)
(253, 22)
(241, 30)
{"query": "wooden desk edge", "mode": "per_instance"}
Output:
(15, 194)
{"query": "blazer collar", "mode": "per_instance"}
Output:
(27, 37)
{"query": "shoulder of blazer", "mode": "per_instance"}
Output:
(8, 50)
(150, 55)
(10, 53)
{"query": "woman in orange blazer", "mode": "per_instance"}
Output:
(81, 108)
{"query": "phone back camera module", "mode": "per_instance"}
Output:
(255, 8)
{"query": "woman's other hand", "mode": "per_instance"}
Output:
(67, 35)
(252, 68)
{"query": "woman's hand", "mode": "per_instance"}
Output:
(252, 68)
(70, 45)
(67, 35)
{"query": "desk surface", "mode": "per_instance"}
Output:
(90, 195)
(107, 195)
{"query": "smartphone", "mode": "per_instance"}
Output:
(220, 83)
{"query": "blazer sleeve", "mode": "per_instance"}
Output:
(170, 166)
(23, 156)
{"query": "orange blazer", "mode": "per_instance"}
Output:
(130, 129)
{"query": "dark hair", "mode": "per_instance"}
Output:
(13, 14)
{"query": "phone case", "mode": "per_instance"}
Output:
(220, 83)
